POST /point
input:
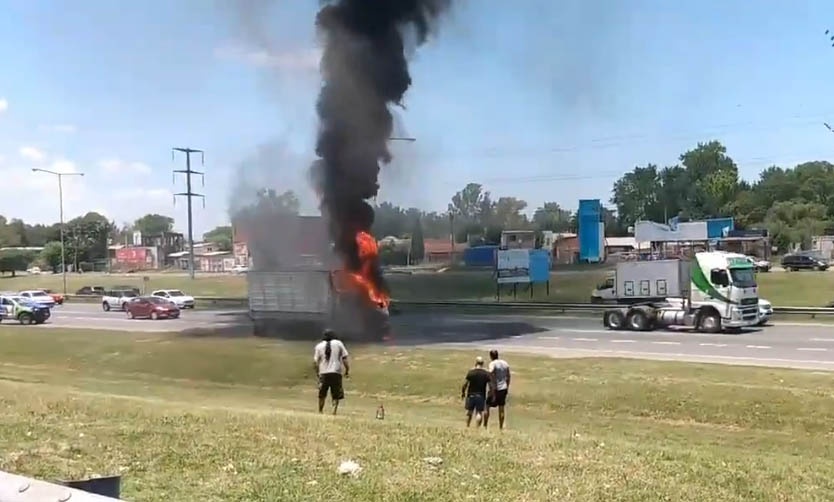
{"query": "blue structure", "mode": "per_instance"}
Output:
(539, 265)
(480, 256)
(718, 228)
(590, 231)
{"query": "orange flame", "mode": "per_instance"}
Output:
(361, 281)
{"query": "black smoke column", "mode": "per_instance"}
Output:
(364, 69)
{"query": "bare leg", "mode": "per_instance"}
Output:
(486, 417)
(468, 418)
(335, 406)
(478, 418)
(321, 404)
(500, 417)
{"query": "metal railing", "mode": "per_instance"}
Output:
(493, 307)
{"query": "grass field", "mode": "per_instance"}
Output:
(209, 419)
(813, 289)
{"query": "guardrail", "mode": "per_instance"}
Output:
(494, 307)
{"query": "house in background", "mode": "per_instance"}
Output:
(518, 239)
(441, 251)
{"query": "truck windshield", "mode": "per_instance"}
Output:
(743, 277)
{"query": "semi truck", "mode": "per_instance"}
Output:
(300, 303)
(713, 292)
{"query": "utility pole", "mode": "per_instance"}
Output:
(189, 194)
(60, 177)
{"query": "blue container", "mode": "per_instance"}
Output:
(589, 216)
(480, 256)
(540, 260)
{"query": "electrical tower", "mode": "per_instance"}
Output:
(190, 194)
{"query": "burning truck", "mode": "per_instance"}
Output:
(297, 285)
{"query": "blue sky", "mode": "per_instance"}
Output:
(542, 100)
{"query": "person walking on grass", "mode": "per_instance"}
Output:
(474, 391)
(329, 357)
(499, 372)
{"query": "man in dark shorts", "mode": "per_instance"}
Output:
(474, 391)
(329, 357)
(499, 386)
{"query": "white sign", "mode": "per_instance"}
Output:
(137, 238)
(513, 266)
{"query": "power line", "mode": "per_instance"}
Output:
(189, 194)
(614, 141)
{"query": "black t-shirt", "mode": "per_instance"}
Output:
(478, 378)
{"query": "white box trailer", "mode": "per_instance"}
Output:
(300, 303)
(647, 280)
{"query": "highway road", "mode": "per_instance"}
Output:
(800, 345)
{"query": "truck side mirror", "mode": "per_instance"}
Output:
(719, 277)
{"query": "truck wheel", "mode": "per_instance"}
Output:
(613, 319)
(105, 307)
(709, 322)
(26, 318)
(638, 320)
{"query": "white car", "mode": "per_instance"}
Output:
(765, 312)
(180, 299)
(240, 269)
(39, 297)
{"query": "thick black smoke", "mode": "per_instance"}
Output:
(364, 70)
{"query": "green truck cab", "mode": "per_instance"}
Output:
(22, 310)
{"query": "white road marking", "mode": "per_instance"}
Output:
(622, 341)
(635, 353)
(584, 339)
(666, 343)
(813, 349)
(759, 347)
(576, 330)
(822, 340)
(548, 337)
(712, 344)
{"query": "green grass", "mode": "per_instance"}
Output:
(210, 419)
(811, 289)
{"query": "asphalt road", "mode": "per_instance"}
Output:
(784, 344)
(799, 345)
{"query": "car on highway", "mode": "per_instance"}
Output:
(38, 296)
(22, 310)
(117, 298)
(151, 307)
(765, 311)
(802, 261)
(90, 291)
(176, 296)
(58, 297)
(758, 264)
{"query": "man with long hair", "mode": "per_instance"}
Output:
(329, 357)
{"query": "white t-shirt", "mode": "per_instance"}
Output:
(501, 370)
(337, 352)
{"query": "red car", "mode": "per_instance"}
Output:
(151, 307)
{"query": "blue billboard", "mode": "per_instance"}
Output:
(589, 217)
(539, 265)
(719, 227)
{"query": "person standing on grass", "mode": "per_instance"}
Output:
(499, 372)
(474, 391)
(329, 357)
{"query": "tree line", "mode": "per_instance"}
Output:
(792, 204)
(86, 239)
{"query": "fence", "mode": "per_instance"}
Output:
(485, 307)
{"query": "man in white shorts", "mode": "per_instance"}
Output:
(329, 356)
(499, 370)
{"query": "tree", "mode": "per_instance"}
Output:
(85, 239)
(14, 261)
(550, 216)
(470, 203)
(418, 249)
(794, 223)
(154, 224)
(508, 214)
(51, 255)
(636, 196)
(222, 236)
